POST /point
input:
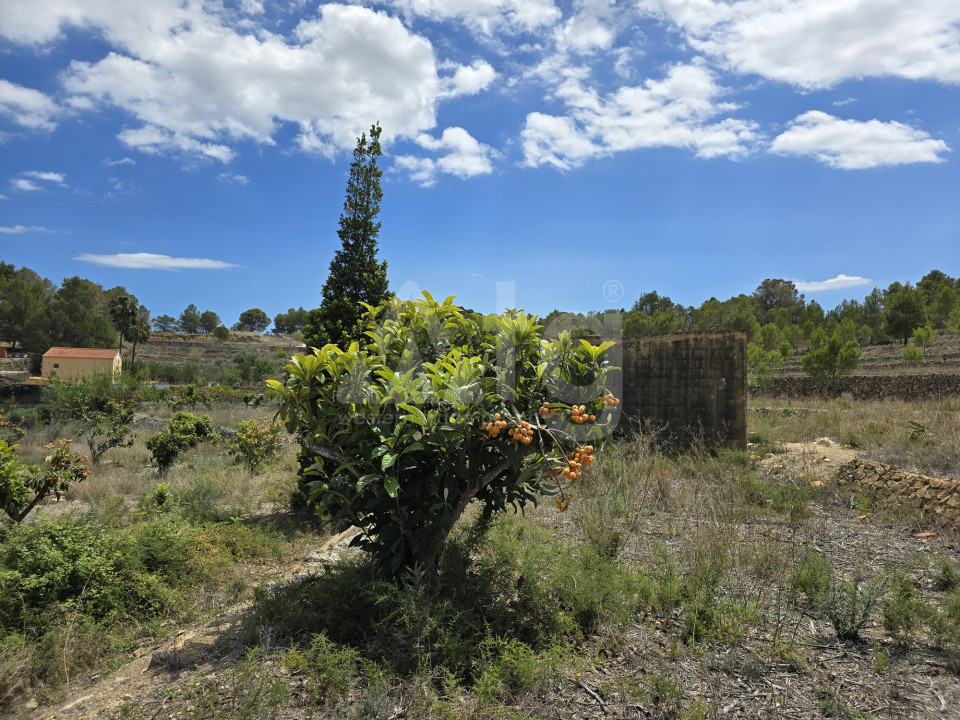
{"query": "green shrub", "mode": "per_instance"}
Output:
(946, 577)
(183, 431)
(512, 592)
(11, 431)
(330, 669)
(256, 442)
(912, 355)
(811, 579)
(849, 605)
(903, 611)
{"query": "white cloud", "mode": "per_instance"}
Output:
(856, 145)
(593, 27)
(469, 79)
(45, 176)
(151, 261)
(677, 111)
(122, 161)
(251, 7)
(198, 81)
(27, 107)
(460, 155)
(21, 229)
(818, 43)
(486, 16)
(25, 185)
(840, 282)
(233, 178)
(154, 140)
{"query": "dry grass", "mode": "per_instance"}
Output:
(747, 580)
(205, 472)
(921, 435)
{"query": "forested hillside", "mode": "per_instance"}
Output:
(36, 313)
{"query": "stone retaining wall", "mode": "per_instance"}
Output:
(870, 387)
(888, 484)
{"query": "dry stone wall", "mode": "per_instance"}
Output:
(938, 499)
(694, 385)
(871, 387)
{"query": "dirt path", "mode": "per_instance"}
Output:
(193, 652)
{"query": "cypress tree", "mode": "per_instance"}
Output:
(355, 273)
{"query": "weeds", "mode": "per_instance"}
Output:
(665, 561)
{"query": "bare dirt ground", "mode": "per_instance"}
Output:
(819, 458)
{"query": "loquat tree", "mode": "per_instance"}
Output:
(440, 407)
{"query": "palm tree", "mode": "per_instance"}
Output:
(123, 310)
(137, 333)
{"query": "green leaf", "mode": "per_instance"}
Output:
(366, 480)
(388, 460)
(415, 414)
(392, 486)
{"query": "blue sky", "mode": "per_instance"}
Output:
(541, 153)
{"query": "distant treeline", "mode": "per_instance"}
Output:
(36, 314)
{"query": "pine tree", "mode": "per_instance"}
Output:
(355, 273)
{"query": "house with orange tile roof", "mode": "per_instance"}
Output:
(66, 363)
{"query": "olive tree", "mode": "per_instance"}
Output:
(438, 408)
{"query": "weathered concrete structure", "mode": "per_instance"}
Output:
(692, 385)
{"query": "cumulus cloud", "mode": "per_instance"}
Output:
(460, 154)
(818, 43)
(468, 79)
(27, 107)
(198, 82)
(21, 229)
(678, 111)
(152, 261)
(486, 16)
(840, 282)
(856, 145)
(592, 27)
(154, 140)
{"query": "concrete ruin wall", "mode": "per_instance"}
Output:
(694, 385)
(938, 499)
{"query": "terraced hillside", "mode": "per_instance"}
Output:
(942, 356)
(205, 350)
